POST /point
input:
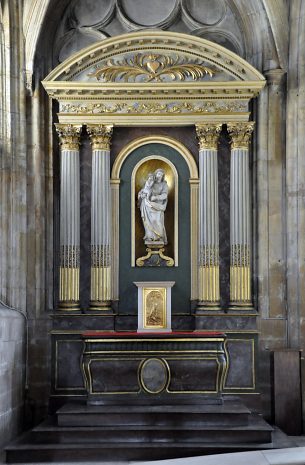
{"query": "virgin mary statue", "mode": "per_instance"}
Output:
(152, 201)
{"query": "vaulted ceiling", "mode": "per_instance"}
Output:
(256, 30)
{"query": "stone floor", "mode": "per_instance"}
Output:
(289, 456)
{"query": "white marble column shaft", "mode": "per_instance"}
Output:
(208, 270)
(101, 288)
(69, 216)
(240, 222)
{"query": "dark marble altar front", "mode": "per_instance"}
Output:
(153, 368)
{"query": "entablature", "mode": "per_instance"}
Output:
(153, 77)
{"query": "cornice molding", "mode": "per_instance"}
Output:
(156, 42)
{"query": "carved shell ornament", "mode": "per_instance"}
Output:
(151, 68)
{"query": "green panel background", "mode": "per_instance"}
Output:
(182, 274)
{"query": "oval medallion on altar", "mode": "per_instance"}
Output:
(154, 375)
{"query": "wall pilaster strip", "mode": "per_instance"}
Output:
(69, 216)
(101, 276)
(240, 224)
(208, 266)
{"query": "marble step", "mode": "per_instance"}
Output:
(31, 453)
(227, 414)
(257, 431)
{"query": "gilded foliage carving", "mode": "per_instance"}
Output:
(208, 135)
(151, 68)
(100, 136)
(157, 108)
(240, 134)
(69, 135)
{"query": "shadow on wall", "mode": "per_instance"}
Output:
(12, 372)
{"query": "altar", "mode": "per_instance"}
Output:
(152, 368)
(155, 303)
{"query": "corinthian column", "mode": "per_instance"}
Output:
(208, 271)
(69, 216)
(101, 292)
(240, 229)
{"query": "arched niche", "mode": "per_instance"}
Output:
(193, 182)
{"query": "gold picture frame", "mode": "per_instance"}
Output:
(154, 308)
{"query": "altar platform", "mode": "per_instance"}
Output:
(148, 396)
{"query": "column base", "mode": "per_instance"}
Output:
(242, 306)
(101, 306)
(69, 306)
(203, 306)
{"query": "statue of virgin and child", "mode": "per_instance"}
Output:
(152, 201)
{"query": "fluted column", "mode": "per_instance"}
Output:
(101, 292)
(69, 216)
(208, 269)
(240, 221)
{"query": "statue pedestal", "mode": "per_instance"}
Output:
(154, 306)
(155, 256)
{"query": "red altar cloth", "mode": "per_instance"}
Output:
(151, 334)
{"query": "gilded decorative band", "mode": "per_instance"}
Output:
(69, 256)
(240, 255)
(100, 256)
(240, 284)
(68, 284)
(100, 284)
(209, 284)
(208, 256)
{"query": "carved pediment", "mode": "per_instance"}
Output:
(149, 50)
(153, 78)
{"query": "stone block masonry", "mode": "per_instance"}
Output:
(12, 372)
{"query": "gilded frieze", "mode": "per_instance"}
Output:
(210, 106)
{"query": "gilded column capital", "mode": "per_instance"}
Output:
(208, 135)
(240, 134)
(69, 136)
(100, 136)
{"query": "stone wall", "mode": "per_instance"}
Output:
(12, 372)
(258, 31)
